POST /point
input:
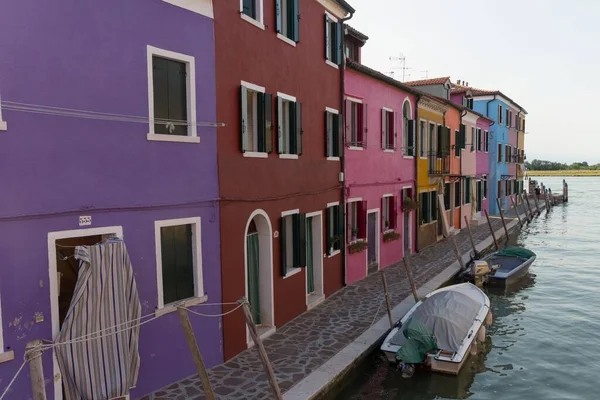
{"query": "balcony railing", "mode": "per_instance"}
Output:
(439, 163)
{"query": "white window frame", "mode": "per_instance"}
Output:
(332, 18)
(3, 127)
(259, 89)
(199, 295)
(335, 252)
(484, 181)
(387, 111)
(404, 128)
(386, 210)
(354, 101)
(290, 271)
(348, 216)
(289, 99)
(192, 136)
(473, 139)
(202, 7)
(334, 112)
(259, 23)
(486, 140)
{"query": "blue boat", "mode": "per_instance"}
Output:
(504, 267)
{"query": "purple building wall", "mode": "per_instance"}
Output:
(93, 56)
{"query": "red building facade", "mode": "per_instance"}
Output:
(279, 158)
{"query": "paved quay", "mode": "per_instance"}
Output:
(301, 349)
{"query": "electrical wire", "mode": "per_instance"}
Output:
(213, 315)
(103, 116)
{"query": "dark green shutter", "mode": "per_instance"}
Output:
(336, 135)
(457, 195)
(260, 112)
(338, 43)
(423, 208)
(456, 143)
(298, 127)
(329, 232)
(328, 135)
(178, 96)
(278, 16)
(440, 140)
(301, 241)
(268, 122)
(243, 118)
(292, 126)
(177, 263)
(434, 206)
(283, 243)
(463, 136)
(160, 86)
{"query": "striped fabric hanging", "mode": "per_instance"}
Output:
(99, 358)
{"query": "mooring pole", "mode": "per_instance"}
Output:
(33, 354)
(502, 217)
(487, 216)
(512, 199)
(537, 206)
(387, 298)
(471, 236)
(261, 351)
(411, 280)
(529, 207)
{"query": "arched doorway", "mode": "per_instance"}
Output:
(258, 260)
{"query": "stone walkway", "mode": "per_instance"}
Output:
(310, 340)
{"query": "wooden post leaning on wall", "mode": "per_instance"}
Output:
(537, 206)
(411, 280)
(502, 218)
(184, 318)
(387, 298)
(529, 207)
(261, 351)
(33, 354)
(471, 236)
(512, 199)
(487, 216)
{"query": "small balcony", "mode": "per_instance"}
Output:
(439, 163)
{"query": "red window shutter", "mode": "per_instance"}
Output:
(383, 129)
(383, 200)
(395, 130)
(348, 117)
(361, 219)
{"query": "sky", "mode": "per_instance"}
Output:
(542, 54)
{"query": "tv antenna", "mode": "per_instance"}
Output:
(402, 66)
(426, 74)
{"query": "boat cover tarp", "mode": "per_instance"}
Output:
(444, 318)
(516, 252)
(98, 357)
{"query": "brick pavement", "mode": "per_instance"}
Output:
(310, 340)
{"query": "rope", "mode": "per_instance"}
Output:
(213, 315)
(377, 312)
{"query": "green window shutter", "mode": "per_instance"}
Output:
(278, 16)
(338, 43)
(457, 195)
(177, 263)
(283, 243)
(160, 86)
(244, 118)
(268, 122)
(260, 124)
(292, 129)
(329, 224)
(395, 130)
(341, 220)
(336, 135)
(298, 127)
(327, 38)
(434, 205)
(280, 144)
(328, 135)
(178, 96)
(463, 136)
(440, 140)
(447, 196)
(423, 208)
(410, 145)
(296, 20)
(300, 242)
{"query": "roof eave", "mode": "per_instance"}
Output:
(344, 4)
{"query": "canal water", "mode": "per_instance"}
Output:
(544, 342)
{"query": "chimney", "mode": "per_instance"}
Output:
(467, 84)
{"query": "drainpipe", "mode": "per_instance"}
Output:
(460, 216)
(343, 155)
(416, 181)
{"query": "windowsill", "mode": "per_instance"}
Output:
(389, 231)
(428, 223)
(356, 241)
(332, 64)
(7, 356)
(286, 39)
(409, 157)
(172, 307)
(333, 159)
(423, 158)
(252, 21)
(389, 150)
(334, 253)
(3, 125)
(356, 148)
(173, 138)
(292, 272)
(255, 154)
(289, 156)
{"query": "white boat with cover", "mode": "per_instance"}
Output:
(440, 331)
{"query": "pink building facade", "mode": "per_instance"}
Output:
(379, 170)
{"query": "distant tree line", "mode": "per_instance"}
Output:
(542, 165)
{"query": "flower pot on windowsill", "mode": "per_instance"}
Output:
(390, 236)
(408, 205)
(357, 247)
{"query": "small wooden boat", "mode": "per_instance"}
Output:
(502, 267)
(440, 330)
